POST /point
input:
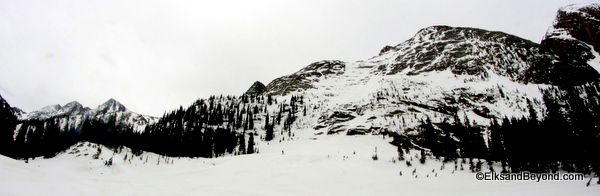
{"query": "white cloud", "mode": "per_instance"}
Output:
(156, 55)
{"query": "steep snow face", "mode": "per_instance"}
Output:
(359, 102)
(576, 32)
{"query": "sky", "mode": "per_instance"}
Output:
(153, 56)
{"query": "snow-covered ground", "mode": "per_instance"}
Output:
(307, 165)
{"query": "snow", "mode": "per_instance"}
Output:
(577, 7)
(327, 165)
(594, 62)
(44, 113)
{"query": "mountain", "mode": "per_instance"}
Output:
(53, 128)
(72, 108)
(110, 106)
(73, 115)
(441, 73)
(114, 110)
(474, 54)
(256, 89)
(69, 109)
(44, 113)
(575, 33)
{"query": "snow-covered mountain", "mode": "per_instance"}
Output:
(73, 114)
(440, 73)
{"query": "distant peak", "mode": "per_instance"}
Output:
(73, 103)
(54, 107)
(44, 112)
(111, 105)
(256, 88)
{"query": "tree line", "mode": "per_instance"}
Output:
(567, 138)
(210, 127)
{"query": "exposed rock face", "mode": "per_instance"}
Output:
(256, 89)
(575, 32)
(110, 106)
(72, 108)
(303, 79)
(479, 53)
(44, 113)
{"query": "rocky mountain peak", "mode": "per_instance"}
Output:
(110, 106)
(575, 33)
(303, 79)
(256, 88)
(45, 112)
(72, 108)
(479, 53)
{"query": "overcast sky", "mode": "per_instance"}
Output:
(153, 56)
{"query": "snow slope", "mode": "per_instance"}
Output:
(324, 165)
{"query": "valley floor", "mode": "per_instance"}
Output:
(323, 165)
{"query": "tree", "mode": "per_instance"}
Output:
(269, 133)
(250, 144)
(8, 121)
(422, 158)
(242, 143)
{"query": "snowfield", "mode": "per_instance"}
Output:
(306, 165)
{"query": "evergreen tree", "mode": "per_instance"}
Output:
(269, 133)
(250, 144)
